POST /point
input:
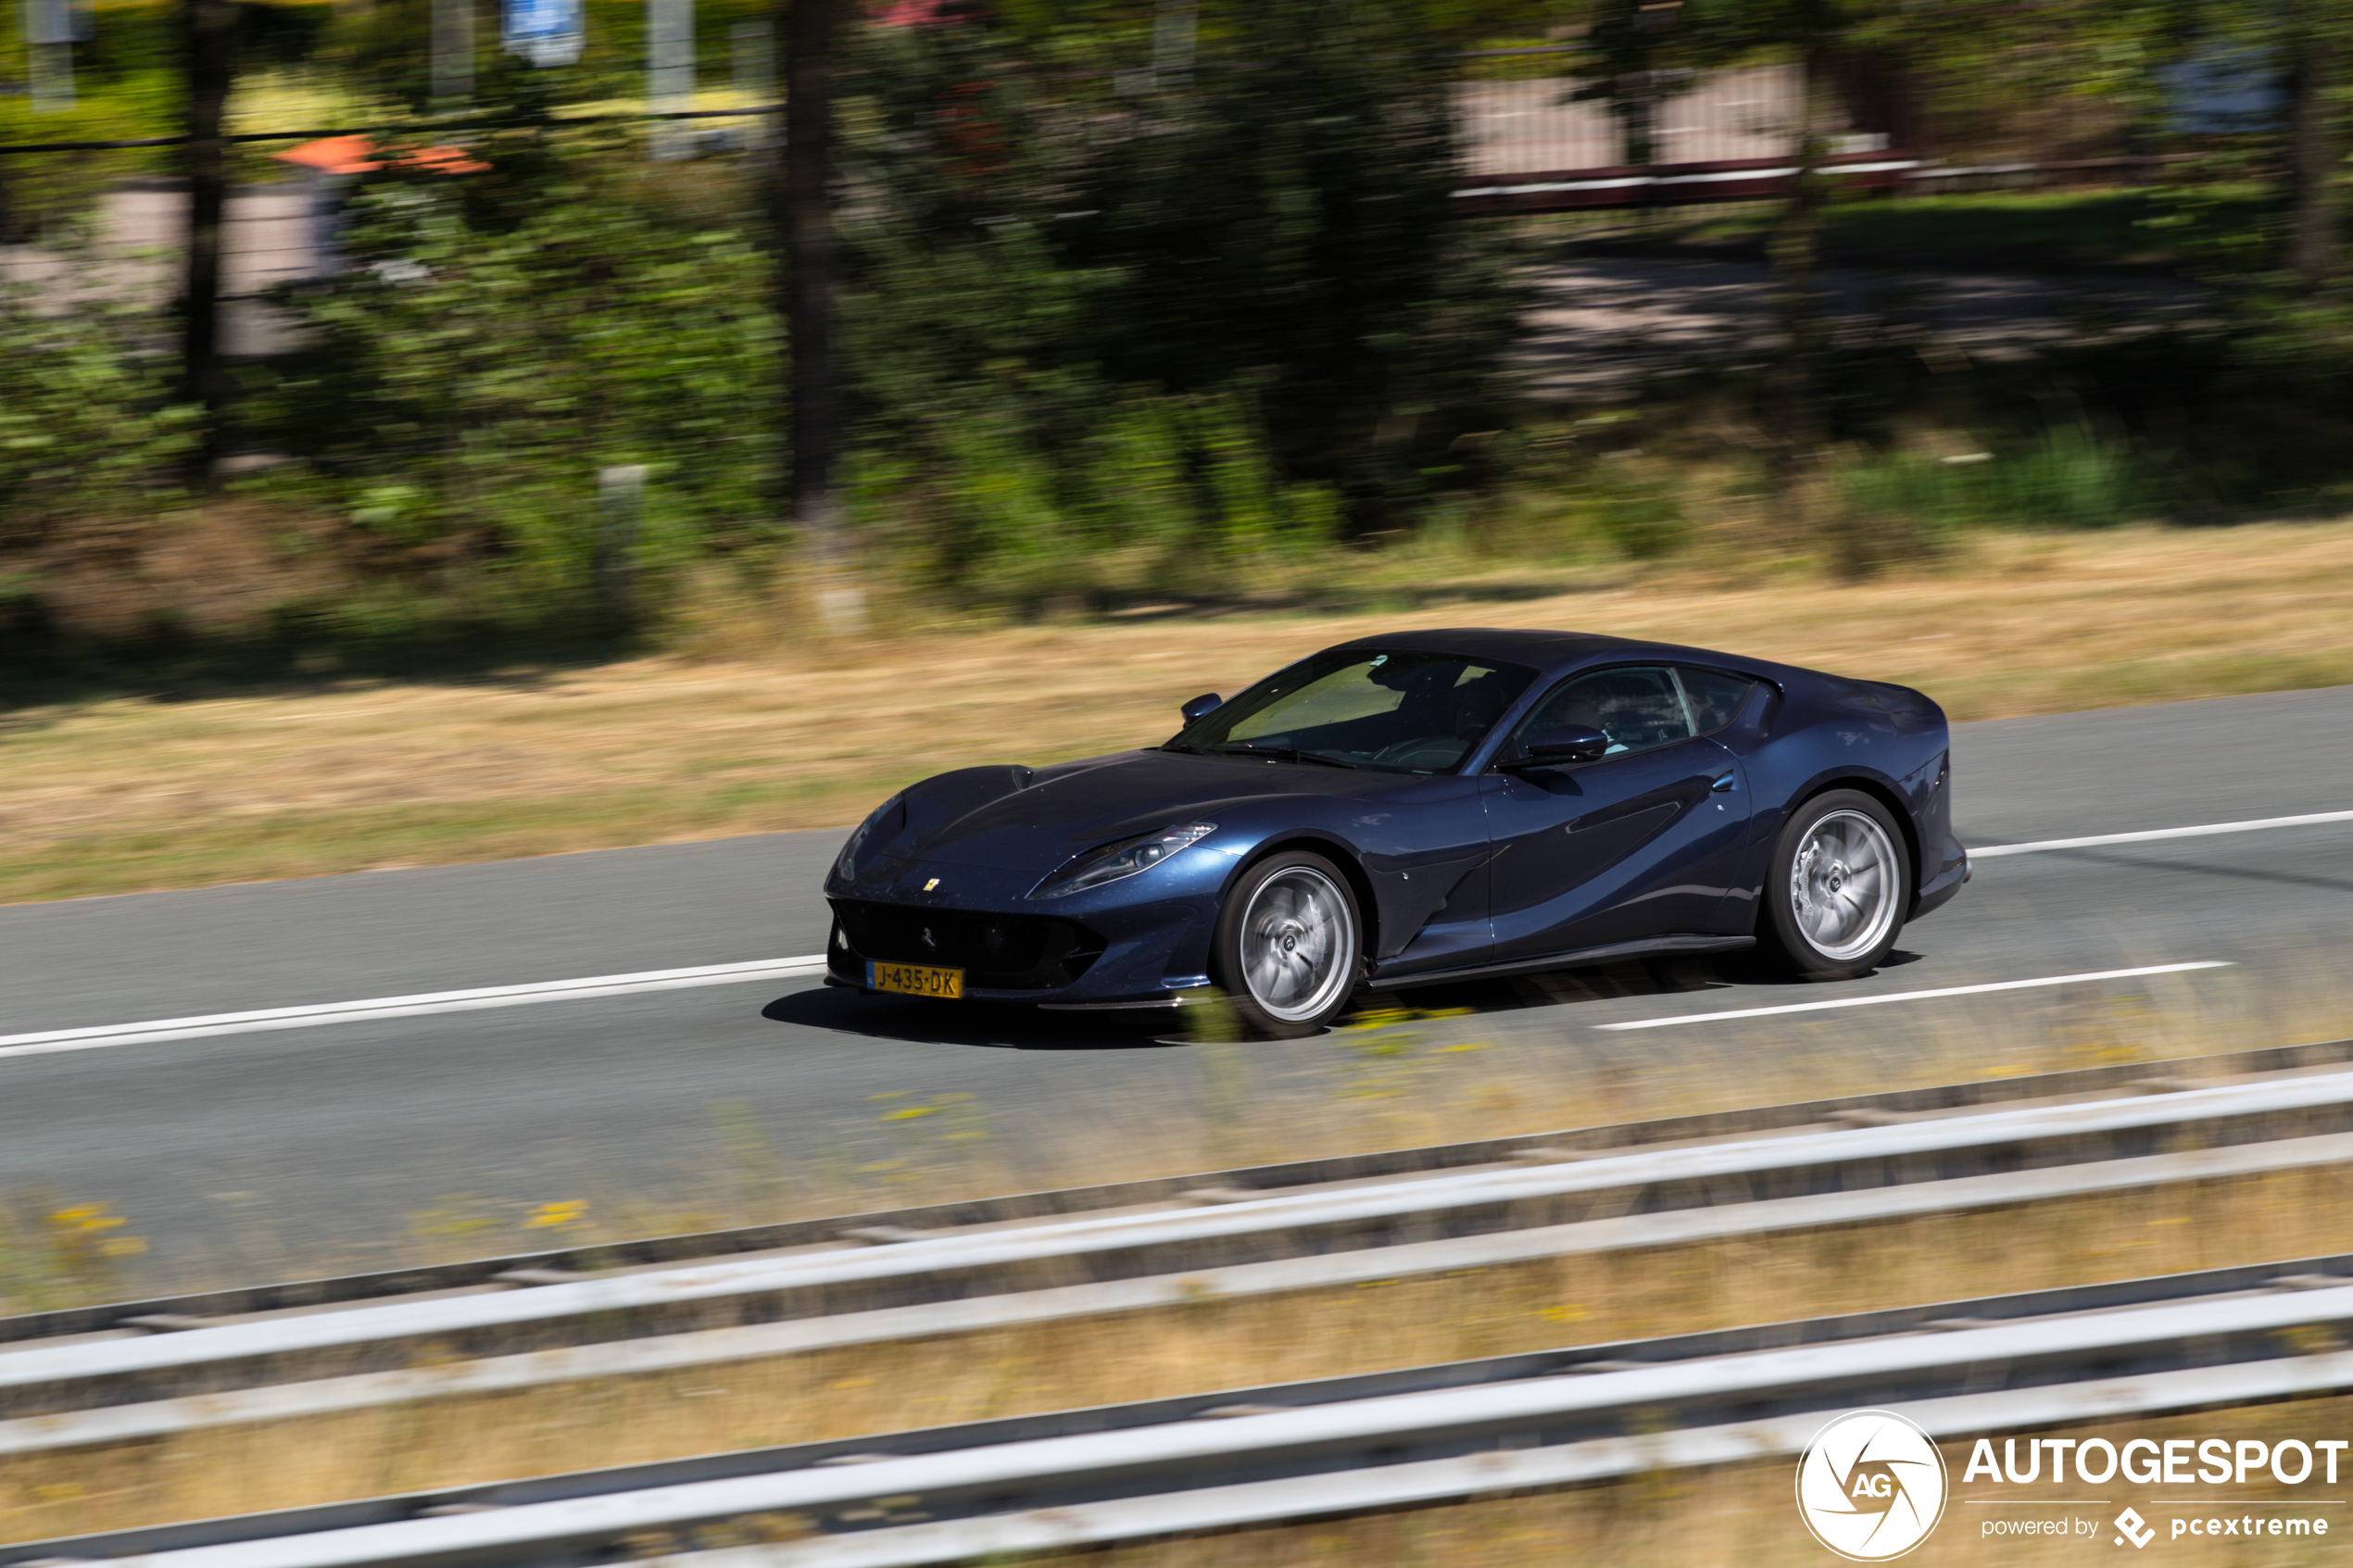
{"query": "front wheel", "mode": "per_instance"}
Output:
(1835, 897)
(1286, 951)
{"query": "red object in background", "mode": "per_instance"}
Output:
(357, 154)
(973, 141)
(972, 138)
(968, 136)
(926, 13)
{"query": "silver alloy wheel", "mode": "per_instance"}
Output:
(1298, 944)
(1842, 884)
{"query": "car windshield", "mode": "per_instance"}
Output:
(1398, 710)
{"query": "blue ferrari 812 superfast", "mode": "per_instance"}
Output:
(1404, 811)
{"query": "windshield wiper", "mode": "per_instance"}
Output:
(1244, 748)
(1189, 750)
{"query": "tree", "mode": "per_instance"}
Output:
(2305, 43)
(2314, 44)
(1818, 32)
(810, 258)
(207, 39)
(1627, 44)
(1104, 338)
(1836, 41)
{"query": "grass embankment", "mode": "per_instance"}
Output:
(187, 789)
(1204, 1346)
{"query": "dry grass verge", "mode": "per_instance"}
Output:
(128, 794)
(1203, 1346)
(1744, 1515)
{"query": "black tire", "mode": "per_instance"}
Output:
(1287, 949)
(1837, 889)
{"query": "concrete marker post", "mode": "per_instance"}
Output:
(620, 511)
(670, 76)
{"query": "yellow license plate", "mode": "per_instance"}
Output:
(915, 980)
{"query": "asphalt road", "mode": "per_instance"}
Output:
(258, 1153)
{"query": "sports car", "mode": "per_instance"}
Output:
(1409, 809)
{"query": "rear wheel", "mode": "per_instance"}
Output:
(1840, 883)
(1286, 951)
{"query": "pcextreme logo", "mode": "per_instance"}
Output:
(1872, 1485)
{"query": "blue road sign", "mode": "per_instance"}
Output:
(545, 32)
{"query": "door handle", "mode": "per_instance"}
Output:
(1722, 786)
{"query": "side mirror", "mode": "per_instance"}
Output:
(1205, 703)
(1569, 743)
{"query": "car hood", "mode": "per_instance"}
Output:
(1018, 819)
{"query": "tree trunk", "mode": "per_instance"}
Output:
(812, 260)
(207, 41)
(1792, 384)
(1638, 113)
(2314, 193)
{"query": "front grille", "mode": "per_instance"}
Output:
(996, 952)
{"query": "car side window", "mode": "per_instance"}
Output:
(1713, 697)
(1637, 706)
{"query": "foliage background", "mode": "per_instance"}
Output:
(1118, 337)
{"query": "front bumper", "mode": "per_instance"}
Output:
(1098, 953)
(1936, 891)
(1163, 1000)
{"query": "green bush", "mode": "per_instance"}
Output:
(494, 347)
(1640, 517)
(1130, 344)
(2069, 478)
(87, 425)
(1286, 221)
(2066, 479)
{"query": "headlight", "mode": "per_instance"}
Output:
(846, 864)
(1124, 858)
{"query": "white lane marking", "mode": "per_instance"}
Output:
(2206, 829)
(161, 1029)
(166, 1029)
(1920, 995)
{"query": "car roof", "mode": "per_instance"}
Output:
(1549, 652)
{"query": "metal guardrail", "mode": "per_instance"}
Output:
(1691, 184)
(561, 1328)
(1677, 184)
(2218, 1337)
(484, 1273)
(316, 1395)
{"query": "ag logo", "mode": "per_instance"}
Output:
(1872, 1486)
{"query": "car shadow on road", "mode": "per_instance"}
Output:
(998, 1026)
(989, 1024)
(1567, 988)
(1602, 982)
